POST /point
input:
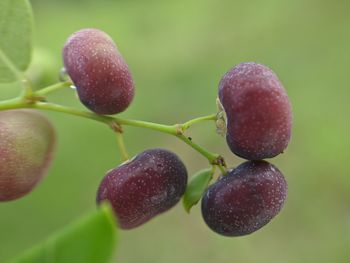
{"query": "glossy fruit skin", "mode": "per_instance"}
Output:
(99, 72)
(27, 143)
(259, 116)
(245, 200)
(150, 184)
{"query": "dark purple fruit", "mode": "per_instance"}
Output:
(146, 186)
(27, 140)
(259, 117)
(98, 71)
(245, 200)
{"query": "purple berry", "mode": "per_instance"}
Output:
(245, 200)
(27, 141)
(98, 71)
(259, 117)
(150, 184)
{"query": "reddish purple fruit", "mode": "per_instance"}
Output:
(98, 71)
(27, 141)
(259, 117)
(150, 184)
(245, 200)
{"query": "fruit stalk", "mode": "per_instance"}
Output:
(54, 87)
(121, 145)
(189, 123)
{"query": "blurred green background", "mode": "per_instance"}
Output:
(177, 52)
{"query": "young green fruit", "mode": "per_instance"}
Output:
(99, 72)
(27, 140)
(259, 116)
(43, 68)
(150, 184)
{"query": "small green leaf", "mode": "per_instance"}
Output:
(92, 239)
(196, 188)
(16, 25)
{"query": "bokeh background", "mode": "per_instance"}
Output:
(177, 52)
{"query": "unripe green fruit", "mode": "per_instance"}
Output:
(43, 70)
(27, 140)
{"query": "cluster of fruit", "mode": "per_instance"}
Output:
(257, 118)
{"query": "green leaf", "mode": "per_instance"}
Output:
(91, 239)
(196, 188)
(16, 25)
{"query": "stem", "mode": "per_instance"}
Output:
(189, 123)
(170, 129)
(212, 157)
(175, 130)
(27, 90)
(10, 104)
(223, 170)
(71, 111)
(52, 88)
(121, 145)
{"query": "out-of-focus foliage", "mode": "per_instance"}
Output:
(177, 52)
(91, 239)
(16, 24)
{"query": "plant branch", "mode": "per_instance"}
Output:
(72, 111)
(36, 101)
(15, 103)
(212, 157)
